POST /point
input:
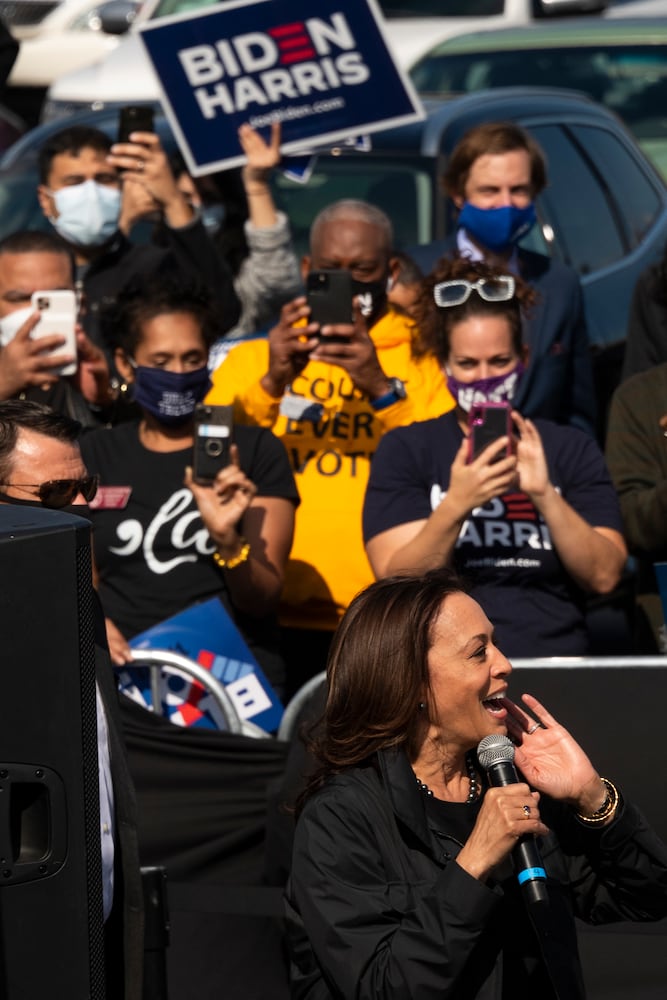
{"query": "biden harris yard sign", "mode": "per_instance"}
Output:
(323, 70)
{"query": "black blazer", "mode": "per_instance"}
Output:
(124, 952)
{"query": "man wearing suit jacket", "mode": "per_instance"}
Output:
(41, 464)
(493, 177)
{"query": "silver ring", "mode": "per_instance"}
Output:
(140, 165)
(526, 811)
(538, 725)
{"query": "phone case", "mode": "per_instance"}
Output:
(214, 433)
(57, 311)
(487, 423)
(135, 118)
(330, 295)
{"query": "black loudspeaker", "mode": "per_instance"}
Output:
(51, 919)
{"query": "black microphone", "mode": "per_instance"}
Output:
(496, 755)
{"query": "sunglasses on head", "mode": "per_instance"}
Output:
(455, 293)
(58, 493)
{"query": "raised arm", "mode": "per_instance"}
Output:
(419, 545)
(252, 536)
(594, 556)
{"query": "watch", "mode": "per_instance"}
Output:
(396, 393)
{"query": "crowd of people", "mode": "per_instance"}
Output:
(351, 497)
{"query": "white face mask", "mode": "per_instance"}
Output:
(12, 323)
(87, 213)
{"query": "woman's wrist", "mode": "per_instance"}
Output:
(544, 497)
(229, 555)
(227, 542)
(598, 806)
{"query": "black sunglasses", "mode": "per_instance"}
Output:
(58, 493)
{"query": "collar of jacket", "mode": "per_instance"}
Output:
(392, 329)
(117, 246)
(406, 800)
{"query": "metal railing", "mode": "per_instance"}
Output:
(155, 659)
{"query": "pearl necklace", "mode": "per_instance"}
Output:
(472, 776)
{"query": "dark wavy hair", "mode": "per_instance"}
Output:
(71, 140)
(493, 139)
(435, 323)
(22, 414)
(153, 294)
(377, 672)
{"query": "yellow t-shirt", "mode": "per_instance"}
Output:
(330, 431)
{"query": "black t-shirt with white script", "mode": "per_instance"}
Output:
(153, 553)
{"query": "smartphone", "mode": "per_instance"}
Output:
(57, 314)
(214, 433)
(330, 294)
(487, 423)
(135, 118)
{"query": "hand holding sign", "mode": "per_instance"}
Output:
(262, 156)
(275, 61)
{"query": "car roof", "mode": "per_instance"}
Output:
(579, 33)
(457, 114)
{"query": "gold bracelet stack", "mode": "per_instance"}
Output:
(236, 560)
(608, 807)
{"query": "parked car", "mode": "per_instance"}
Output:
(621, 62)
(638, 8)
(413, 27)
(73, 34)
(126, 76)
(58, 38)
(604, 211)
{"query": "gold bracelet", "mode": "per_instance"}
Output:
(236, 560)
(607, 808)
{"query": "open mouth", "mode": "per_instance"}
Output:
(494, 706)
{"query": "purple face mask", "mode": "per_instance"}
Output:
(497, 389)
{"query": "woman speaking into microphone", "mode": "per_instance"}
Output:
(404, 875)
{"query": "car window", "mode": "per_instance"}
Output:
(441, 8)
(403, 190)
(168, 7)
(634, 191)
(575, 206)
(629, 79)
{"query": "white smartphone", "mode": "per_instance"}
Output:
(57, 311)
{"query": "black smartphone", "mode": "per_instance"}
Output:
(330, 294)
(214, 433)
(135, 118)
(487, 423)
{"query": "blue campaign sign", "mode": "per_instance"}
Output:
(323, 70)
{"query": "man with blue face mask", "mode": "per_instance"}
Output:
(493, 177)
(89, 196)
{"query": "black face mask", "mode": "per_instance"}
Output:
(373, 300)
(79, 510)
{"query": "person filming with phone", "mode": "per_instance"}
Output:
(532, 519)
(92, 190)
(45, 356)
(335, 373)
(162, 541)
